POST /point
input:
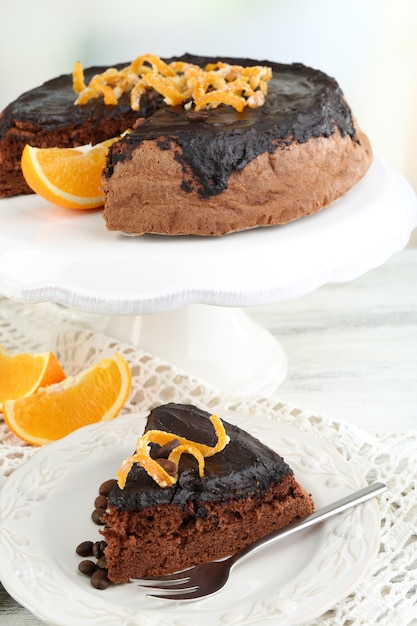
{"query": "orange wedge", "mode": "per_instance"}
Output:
(68, 177)
(94, 395)
(23, 374)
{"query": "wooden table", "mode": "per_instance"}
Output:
(352, 352)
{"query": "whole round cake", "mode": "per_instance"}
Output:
(212, 169)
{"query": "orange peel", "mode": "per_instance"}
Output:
(178, 82)
(161, 437)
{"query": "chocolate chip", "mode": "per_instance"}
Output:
(197, 116)
(164, 451)
(107, 486)
(98, 549)
(169, 466)
(101, 502)
(152, 94)
(85, 548)
(97, 515)
(99, 579)
(87, 567)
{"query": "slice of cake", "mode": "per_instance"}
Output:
(207, 489)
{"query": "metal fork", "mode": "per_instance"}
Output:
(204, 580)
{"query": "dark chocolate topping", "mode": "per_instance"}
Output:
(51, 107)
(301, 103)
(244, 467)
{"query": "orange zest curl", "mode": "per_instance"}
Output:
(178, 82)
(185, 446)
(78, 78)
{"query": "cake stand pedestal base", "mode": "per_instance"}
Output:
(221, 346)
(177, 297)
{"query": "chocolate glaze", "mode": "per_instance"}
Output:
(301, 103)
(244, 467)
(51, 107)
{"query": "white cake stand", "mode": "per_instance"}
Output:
(180, 298)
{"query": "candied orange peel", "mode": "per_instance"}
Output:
(185, 446)
(179, 83)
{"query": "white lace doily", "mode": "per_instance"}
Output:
(387, 595)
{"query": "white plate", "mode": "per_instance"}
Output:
(45, 511)
(53, 254)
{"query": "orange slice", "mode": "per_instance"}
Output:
(23, 374)
(68, 177)
(94, 395)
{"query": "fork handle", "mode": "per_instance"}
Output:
(357, 497)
